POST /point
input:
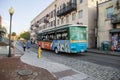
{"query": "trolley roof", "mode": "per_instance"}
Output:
(61, 27)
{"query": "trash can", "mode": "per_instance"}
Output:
(105, 45)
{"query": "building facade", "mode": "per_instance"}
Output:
(2, 31)
(67, 12)
(109, 23)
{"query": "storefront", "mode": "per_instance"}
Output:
(115, 39)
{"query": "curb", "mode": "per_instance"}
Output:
(105, 52)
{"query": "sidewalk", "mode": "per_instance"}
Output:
(4, 50)
(113, 53)
(60, 71)
(13, 68)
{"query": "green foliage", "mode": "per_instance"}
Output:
(25, 35)
(13, 34)
(19, 37)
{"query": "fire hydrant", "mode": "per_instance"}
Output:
(39, 52)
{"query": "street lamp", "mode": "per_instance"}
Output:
(11, 11)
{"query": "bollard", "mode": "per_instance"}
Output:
(39, 52)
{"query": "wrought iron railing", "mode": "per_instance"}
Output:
(115, 18)
(67, 9)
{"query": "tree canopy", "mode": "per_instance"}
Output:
(25, 35)
(13, 34)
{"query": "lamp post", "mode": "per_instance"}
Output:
(11, 11)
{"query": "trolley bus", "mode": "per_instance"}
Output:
(67, 38)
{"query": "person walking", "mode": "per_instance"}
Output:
(24, 46)
(28, 44)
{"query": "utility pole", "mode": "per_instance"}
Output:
(96, 28)
(55, 15)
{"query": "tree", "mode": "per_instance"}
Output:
(25, 35)
(13, 34)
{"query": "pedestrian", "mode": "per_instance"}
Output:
(28, 44)
(24, 46)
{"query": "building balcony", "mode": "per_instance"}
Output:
(4, 41)
(67, 9)
(46, 21)
(115, 18)
(71, 7)
(31, 28)
(61, 12)
(58, 13)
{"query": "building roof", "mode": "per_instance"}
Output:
(63, 26)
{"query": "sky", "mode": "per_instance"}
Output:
(24, 12)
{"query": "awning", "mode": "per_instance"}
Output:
(115, 30)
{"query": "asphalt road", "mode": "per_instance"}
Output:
(105, 60)
(101, 59)
(101, 67)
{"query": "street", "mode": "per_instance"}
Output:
(105, 60)
(72, 39)
(102, 67)
(96, 65)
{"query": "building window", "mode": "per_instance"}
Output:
(80, 14)
(62, 20)
(109, 12)
(48, 24)
(73, 16)
(54, 12)
(81, 1)
(40, 21)
(58, 21)
(67, 18)
(43, 27)
(51, 23)
(51, 14)
(73, 1)
(54, 22)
